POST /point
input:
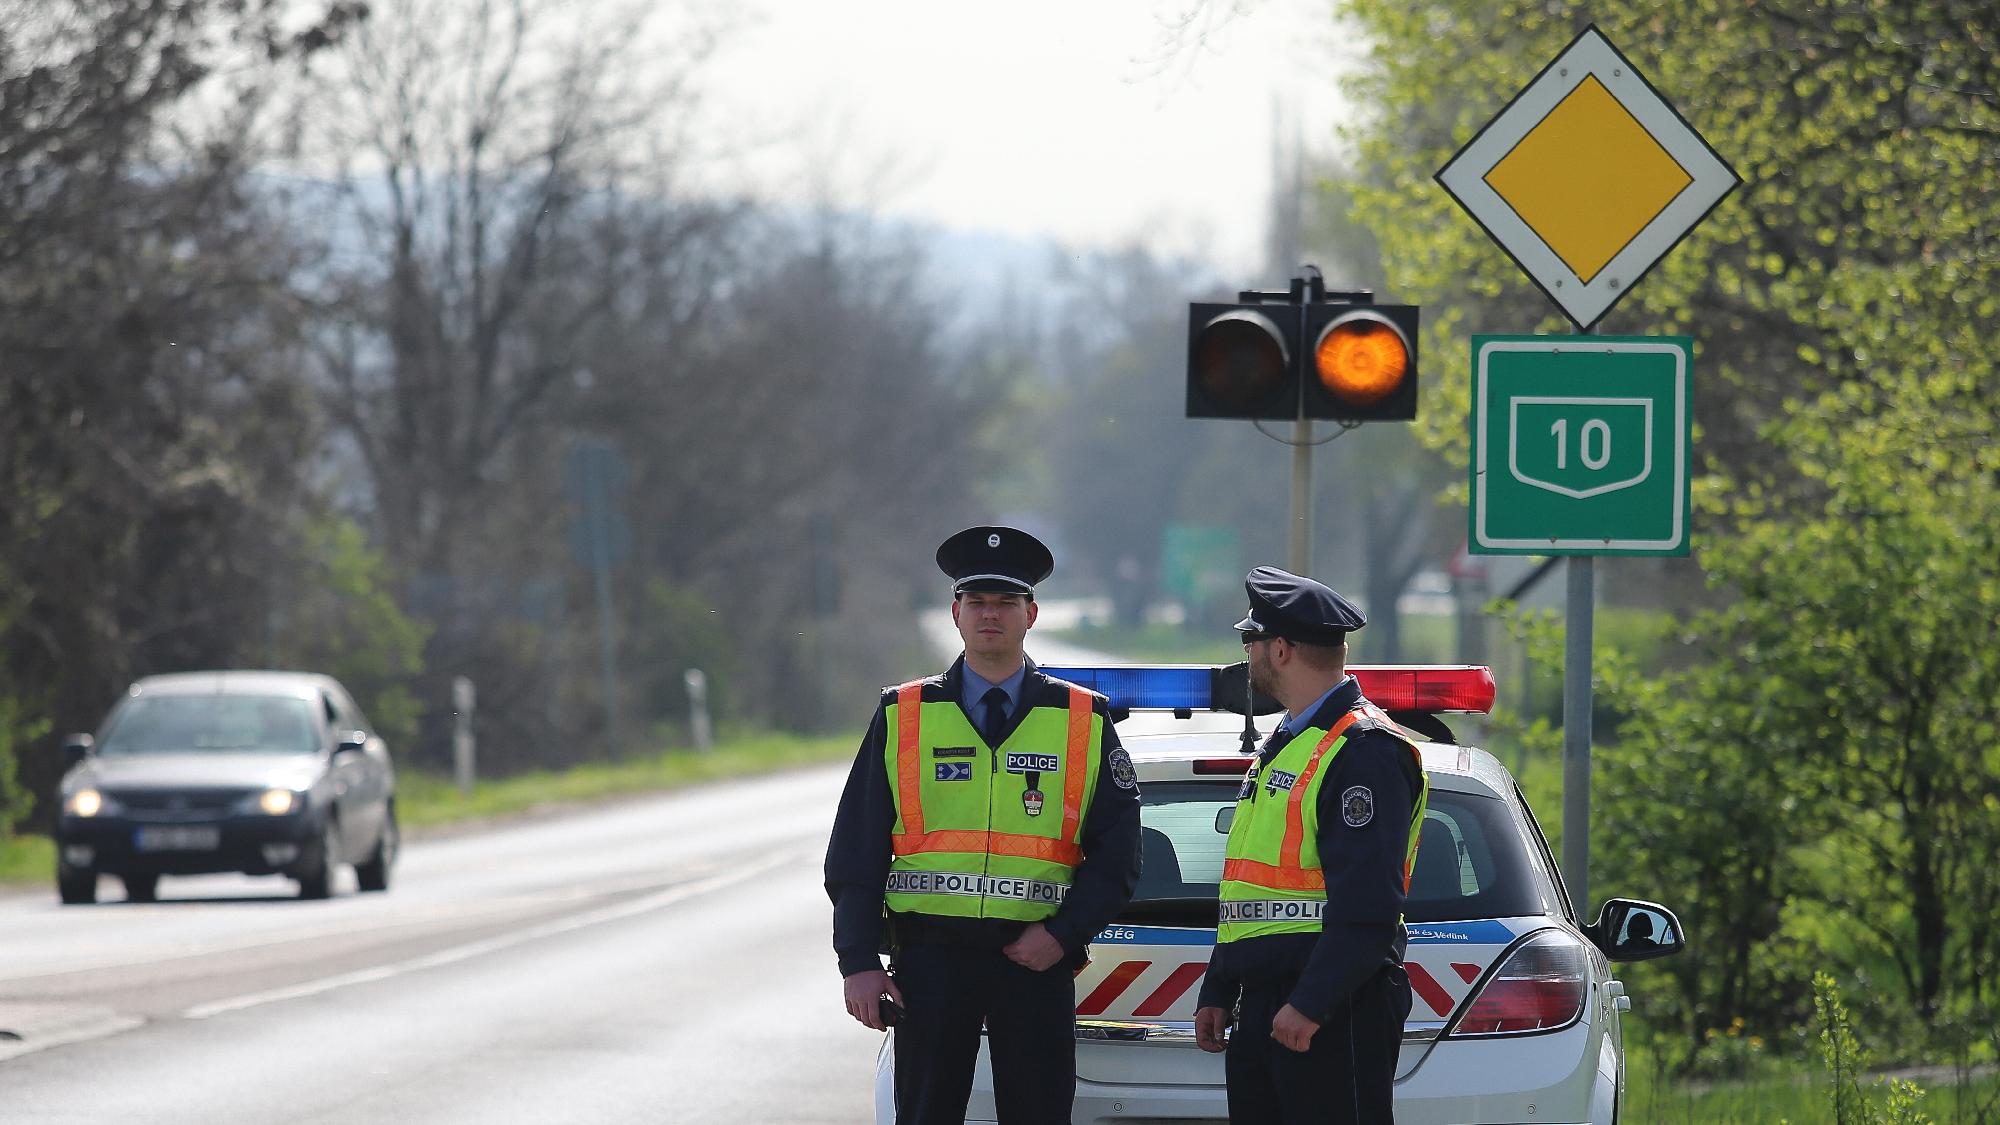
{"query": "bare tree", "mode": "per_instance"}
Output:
(474, 143)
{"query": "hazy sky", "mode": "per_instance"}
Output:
(1095, 121)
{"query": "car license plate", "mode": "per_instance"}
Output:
(178, 838)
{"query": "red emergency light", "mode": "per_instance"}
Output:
(1466, 688)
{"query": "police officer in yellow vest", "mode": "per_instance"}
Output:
(991, 823)
(1308, 962)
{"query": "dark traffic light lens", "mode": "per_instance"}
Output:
(1361, 360)
(1240, 360)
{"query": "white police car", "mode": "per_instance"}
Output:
(1515, 1012)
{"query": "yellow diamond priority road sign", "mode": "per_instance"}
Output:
(1587, 178)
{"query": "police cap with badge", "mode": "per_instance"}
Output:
(999, 560)
(1298, 609)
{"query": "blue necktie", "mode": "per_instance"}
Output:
(995, 701)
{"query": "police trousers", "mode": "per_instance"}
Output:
(1029, 1016)
(1347, 1073)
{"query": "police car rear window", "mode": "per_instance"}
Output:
(1471, 860)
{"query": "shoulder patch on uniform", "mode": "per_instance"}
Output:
(1357, 806)
(1122, 771)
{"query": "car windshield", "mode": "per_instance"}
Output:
(181, 724)
(1471, 859)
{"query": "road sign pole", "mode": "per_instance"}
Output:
(1577, 629)
(1579, 621)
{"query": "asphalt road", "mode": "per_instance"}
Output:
(664, 960)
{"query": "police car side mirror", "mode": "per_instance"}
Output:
(1630, 929)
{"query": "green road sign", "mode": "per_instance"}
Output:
(1580, 445)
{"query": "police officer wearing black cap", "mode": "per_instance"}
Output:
(989, 829)
(1308, 962)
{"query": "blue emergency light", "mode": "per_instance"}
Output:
(1146, 687)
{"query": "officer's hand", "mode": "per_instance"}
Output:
(1209, 1024)
(1292, 1029)
(1035, 949)
(864, 996)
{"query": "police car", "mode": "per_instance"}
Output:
(1514, 1011)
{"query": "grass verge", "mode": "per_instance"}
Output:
(426, 800)
(423, 800)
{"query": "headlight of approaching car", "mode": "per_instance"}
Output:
(274, 802)
(89, 802)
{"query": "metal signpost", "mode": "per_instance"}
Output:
(1587, 178)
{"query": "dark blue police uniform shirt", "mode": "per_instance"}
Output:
(1362, 929)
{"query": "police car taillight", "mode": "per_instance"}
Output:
(1232, 767)
(1427, 687)
(1539, 987)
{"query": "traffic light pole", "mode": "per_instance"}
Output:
(1302, 485)
(1305, 289)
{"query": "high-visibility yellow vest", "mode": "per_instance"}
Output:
(1272, 879)
(973, 838)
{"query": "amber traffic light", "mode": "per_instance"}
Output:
(1363, 363)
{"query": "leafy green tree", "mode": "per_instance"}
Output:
(1819, 772)
(343, 621)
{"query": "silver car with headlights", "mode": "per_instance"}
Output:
(1514, 1010)
(265, 773)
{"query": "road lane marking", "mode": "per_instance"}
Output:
(37, 1027)
(484, 946)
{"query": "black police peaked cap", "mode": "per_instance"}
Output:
(994, 559)
(1285, 605)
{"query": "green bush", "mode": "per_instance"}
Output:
(16, 730)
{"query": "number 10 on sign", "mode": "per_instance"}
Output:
(1580, 445)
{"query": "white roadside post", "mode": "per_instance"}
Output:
(698, 725)
(463, 748)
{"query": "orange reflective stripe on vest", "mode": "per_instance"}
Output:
(1295, 811)
(1273, 876)
(1076, 765)
(991, 843)
(909, 702)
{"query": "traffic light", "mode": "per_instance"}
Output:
(1363, 366)
(1279, 359)
(1240, 364)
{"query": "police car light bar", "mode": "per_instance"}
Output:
(1187, 688)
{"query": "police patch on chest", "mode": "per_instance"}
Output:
(1280, 779)
(953, 771)
(1025, 761)
(1357, 806)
